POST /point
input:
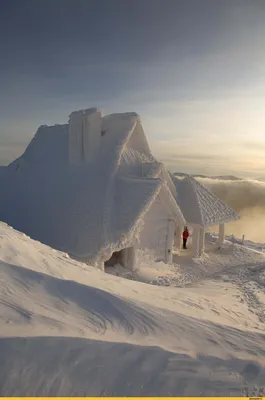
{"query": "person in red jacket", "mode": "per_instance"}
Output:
(185, 236)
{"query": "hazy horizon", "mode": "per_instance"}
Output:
(194, 71)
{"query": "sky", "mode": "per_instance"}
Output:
(193, 70)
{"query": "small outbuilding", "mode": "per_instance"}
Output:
(202, 209)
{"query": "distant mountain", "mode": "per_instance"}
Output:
(226, 178)
(221, 177)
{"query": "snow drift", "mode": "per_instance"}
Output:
(68, 329)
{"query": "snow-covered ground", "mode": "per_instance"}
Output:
(68, 329)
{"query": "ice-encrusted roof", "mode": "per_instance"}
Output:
(199, 205)
(48, 149)
(89, 208)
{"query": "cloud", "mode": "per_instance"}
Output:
(254, 146)
(247, 197)
(213, 157)
(241, 194)
(225, 135)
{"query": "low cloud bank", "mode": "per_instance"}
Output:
(247, 197)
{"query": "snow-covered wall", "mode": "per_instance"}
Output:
(154, 234)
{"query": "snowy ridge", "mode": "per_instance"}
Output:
(199, 205)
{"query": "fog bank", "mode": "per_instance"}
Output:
(246, 197)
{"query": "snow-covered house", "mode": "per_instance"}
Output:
(93, 189)
(202, 209)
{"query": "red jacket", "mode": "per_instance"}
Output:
(185, 234)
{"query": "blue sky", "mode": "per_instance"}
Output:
(194, 71)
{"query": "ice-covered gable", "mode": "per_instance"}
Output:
(199, 205)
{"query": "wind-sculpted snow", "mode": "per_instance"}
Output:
(39, 302)
(80, 367)
(100, 311)
(68, 329)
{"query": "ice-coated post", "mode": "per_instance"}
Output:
(221, 234)
(195, 241)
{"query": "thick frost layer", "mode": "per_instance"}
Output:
(86, 204)
(86, 187)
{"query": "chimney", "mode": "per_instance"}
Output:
(84, 135)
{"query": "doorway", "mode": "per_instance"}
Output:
(124, 257)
